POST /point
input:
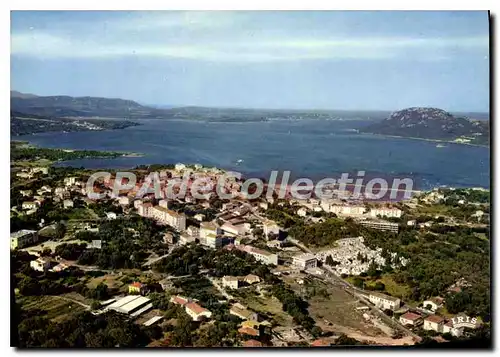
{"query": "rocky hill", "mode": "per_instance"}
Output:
(433, 124)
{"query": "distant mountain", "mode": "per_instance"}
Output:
(66, 106)
(24, 124)
(433, 124)
(16, 94)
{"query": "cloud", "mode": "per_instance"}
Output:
(222, 37)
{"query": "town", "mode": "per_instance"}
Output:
(243, 272)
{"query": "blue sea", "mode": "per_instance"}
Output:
(308, 148)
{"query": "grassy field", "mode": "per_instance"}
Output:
(55, 308)
(264, 305)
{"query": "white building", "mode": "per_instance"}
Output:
(212, 241)
(197, 312)
(386, 212)
(111, 215)
(384, 302)
(145, 209)
(305, 261)
(69, 181)
(302, 212)
(199, 217)
(40, 264)
(454, 331)
(270, 227)
(207, 228)
(232, 282)
(433, 304)
(169, 217)
(29, 205)
(23, 238)
(410, 318)
(259, 254)
(68, 204)
(132, 305)
(434, 322)
(124, 200)
(180, 167)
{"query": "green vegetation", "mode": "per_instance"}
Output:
(18, 153)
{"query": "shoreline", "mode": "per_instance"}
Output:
(429, 140)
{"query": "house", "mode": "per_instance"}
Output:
(179, 300)
(320, 343)
(231, 282)
(270, 227)
(249, 331)
(136, 288)
(212, 241)
(180, 167)
(243, 313)
(25, 193)
(433, 303)
(207, 228)
(410, 318)
(434, 322)
(305, 261)
(251, 279)
(383, 301)
(197, 312)
(111, 215)
(69, 181)
(60, 267)
(193, 231)
(145, 209)
(23, 238)
(185, 238)
(252, 343)
(40, 264)
(199, 217)
(302, 212)
(259, 254)
(454, 331)
(68, 204)
(386, 212)
(29, 205)
(169, 217)
(168, 238)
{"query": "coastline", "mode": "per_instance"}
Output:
(430, 140)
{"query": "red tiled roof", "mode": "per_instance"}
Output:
(197, 309)
(137, 284)
(179, 300)
(248, 331)
(320, 342)
(435, 318)
(411, 316)
(252, 343)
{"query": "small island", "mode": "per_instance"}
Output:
(22, 151)
(432, 124)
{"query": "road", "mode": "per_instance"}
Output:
(220, 288)
(332, 277)
(72, 300)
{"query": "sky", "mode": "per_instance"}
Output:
(257, 59)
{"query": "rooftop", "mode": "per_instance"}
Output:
(435, 318)
(21, 233)
(411, 316)
(197, 309)
(252, 343)
(383, 296)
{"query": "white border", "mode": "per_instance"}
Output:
(192, 5)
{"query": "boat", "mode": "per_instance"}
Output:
(440, 146)
(239, 161)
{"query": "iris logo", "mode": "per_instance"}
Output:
(464, 321)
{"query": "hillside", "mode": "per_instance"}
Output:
(66, 106)
(24, 124)
(432, 124)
